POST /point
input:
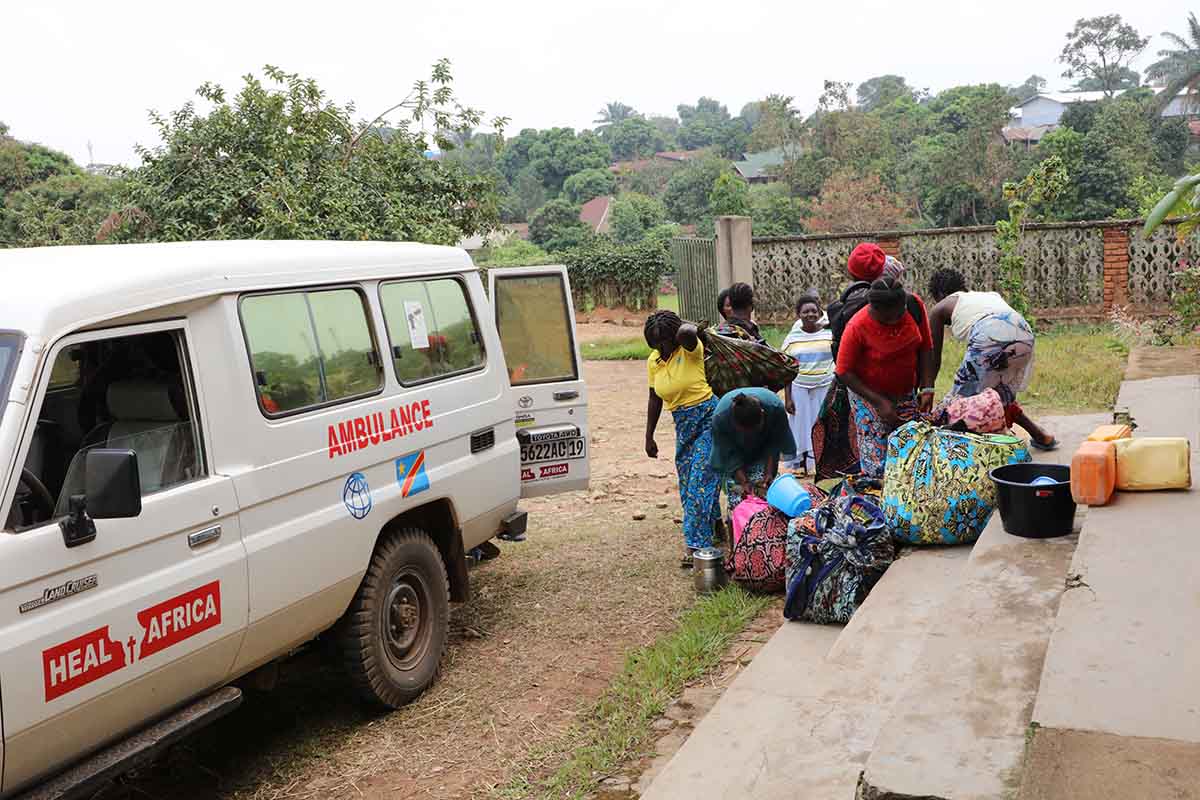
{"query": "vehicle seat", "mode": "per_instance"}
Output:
(147, 422)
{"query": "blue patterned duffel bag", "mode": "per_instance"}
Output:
(936, 484)
(832, 569)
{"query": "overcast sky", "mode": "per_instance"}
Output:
(74, 72)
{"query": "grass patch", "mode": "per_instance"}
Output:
(634, 348)
(618, 726)
(669, 302)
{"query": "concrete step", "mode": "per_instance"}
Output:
(800, 721)
(1117, 714)
(958, 730)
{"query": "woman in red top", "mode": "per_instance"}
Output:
(886, 360)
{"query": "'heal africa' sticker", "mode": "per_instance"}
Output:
(95, 654)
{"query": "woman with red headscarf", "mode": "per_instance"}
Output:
(834, 436)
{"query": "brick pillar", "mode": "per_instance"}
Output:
(890, 247)
(1116, 268)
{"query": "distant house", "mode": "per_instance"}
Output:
(518, 230)
(762, 167)
(1047, 108)
(595, 214)
(1025, 137)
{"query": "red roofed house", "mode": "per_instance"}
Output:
(595, 213)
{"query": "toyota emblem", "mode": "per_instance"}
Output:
(525, 402)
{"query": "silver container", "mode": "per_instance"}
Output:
(708, 569)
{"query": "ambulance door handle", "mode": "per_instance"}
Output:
(201, 538)
(562, 396)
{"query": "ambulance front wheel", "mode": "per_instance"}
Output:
(394, 634)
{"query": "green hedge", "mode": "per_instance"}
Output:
(604, 273)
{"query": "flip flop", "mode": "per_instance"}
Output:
(1045, 448)
(686, 561)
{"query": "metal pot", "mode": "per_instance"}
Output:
(708, 569)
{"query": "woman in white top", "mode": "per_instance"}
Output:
(811, 345)
(999, 346)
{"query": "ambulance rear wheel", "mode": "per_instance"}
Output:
(394, 634)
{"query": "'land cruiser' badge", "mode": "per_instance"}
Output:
(56, 593)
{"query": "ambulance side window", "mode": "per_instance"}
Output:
(310, 349)
(431, 329)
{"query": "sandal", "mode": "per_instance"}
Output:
(1045, 448)
(686, 561)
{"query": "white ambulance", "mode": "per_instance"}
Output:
(213, 452)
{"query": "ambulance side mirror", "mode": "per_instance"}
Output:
(112, 484)
(112, 490)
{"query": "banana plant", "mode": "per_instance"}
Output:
(1182, 201)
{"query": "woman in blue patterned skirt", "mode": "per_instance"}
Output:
(676, 375)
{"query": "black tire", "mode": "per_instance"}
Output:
(393, 636)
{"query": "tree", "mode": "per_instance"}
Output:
(1123, 79)
(1101, 47)
(881, 90)
(668, 127)
(553, 155)
(730, 196)
(556, 226)
(280, 160)
(583, 186)
(634, 138)
(686, 195)
(774, 211)
(708, 124)
(849, 203)
(634, 216)
(778, 123)
(68, 208)
(1178, 68)
(524, 196)
(613, 113)
(1034, 84)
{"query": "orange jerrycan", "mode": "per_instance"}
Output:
(1094, 473)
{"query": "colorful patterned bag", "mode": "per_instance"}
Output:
(836, 555)
(731, 364)
(757, 560)
(936, 487)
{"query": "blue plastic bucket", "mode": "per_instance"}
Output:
(789, 495)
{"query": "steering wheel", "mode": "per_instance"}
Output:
(41, 496)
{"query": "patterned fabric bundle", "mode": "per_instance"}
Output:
(936, 484)
(980, 413)
(737, 363)
(835, 556)
(757, 561)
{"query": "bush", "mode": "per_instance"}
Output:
(556, 226)
(633, 215)
(605, 273)
(513, 253)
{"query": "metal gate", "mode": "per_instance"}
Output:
(695, 262)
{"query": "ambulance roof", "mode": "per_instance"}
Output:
(49, 291)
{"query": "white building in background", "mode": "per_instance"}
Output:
(1047, 108)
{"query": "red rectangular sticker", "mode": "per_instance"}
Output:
(80, 661)
(174, 620)
(90, 657)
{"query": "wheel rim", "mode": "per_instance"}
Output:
(406, 628)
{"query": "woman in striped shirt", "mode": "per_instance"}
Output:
(811, 345)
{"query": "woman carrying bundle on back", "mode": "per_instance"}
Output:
(885, 359)
(999, 352)
(676, 375)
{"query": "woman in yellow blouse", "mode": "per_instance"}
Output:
(676, 374)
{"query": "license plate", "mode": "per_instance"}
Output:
(554, 450)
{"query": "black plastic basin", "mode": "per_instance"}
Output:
(1035, 512)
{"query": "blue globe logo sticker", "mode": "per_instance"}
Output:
(357, 495)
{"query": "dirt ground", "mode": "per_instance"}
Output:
(547, 628)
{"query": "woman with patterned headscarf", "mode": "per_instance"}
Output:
(677, 380)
